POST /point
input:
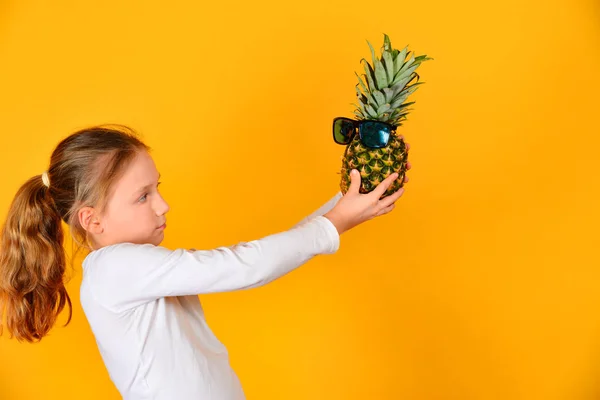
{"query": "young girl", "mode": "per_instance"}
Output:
(140, 299)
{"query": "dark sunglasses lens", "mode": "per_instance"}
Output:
(375, 134)
(342, 131)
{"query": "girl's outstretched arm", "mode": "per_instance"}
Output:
(125, 275)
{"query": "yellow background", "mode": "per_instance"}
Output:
(483, 284)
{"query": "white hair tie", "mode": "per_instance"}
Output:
(46, 179)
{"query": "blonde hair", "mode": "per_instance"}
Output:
(83, 167)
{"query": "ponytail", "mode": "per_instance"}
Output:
(32, 264)
(82, 168)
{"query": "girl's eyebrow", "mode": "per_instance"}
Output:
(145, 188)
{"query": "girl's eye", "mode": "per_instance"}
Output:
(143, 198)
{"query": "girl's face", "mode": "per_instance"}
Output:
(135, 211)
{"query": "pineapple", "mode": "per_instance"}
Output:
(387, 83)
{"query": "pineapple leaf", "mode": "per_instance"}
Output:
(405, 73)
(371, 111)
(422, 58)
(389, 94)
(383, 108)
(372, 54)
(402, 72)
(363, 102)
(359, 114)
(364, 97)
(367, 92)
(399, 60)
(380, 75)
(399, 100)
(362, 83)
(358, 109)
(380, 98)
(401, 117)
(399, 106)
(404, 111)
(360, 105)
(410, 61)
(361, 97)
(410, 89)
(413, 76)
(389, 66)
(401, 84)
(369, 73)
(387, 44)
(398, 119)
(400, 89)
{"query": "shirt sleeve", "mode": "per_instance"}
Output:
(126, 275)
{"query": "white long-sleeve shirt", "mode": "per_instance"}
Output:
(141, 302)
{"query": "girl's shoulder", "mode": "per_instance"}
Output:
(124, 253)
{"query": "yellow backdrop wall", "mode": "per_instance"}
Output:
(482, 284)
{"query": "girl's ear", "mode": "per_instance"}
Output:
(90, 220)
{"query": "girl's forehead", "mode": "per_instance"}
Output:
(142, 166)
(141, 171)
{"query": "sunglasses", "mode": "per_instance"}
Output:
(373, 134)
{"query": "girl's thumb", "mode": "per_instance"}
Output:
(354, 181)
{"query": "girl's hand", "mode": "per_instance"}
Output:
(354, 208)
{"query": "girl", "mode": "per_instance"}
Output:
(140, 299)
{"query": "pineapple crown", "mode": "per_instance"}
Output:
(387, 83)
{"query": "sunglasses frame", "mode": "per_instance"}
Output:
(358, 129)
